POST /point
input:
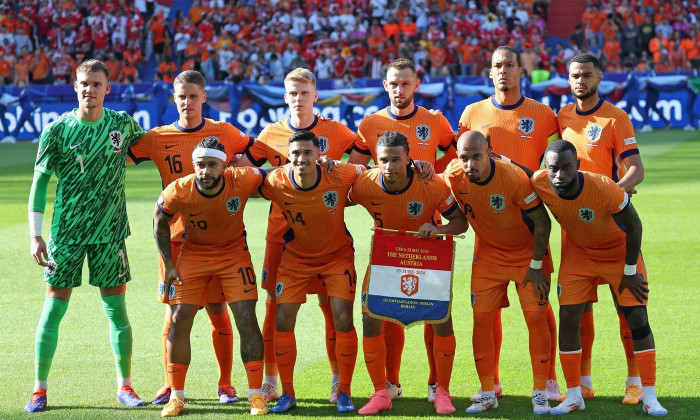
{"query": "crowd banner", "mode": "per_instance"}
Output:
(410, 278)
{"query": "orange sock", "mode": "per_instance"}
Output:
(626, 337)
(176, 376)
(268, 333)
(346, 352)
(394, 337)
(444, 356)
(482, 342)
(539, 347)
(222, 338)
(375, 359)
(587, 337)
(497, 341)
(286, 352)
(164, 343)
(646, 360)
(428, 339)
(571, 365)
(330, 337)
(254, 372)
(552, 324)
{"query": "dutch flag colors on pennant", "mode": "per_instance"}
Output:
(410, 280)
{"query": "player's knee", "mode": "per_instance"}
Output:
(570, 317)
(371, 327)
(343, 322)
(638, 321)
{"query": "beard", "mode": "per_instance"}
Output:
(566, 189)
(213, 185)
(407, 101)
(586, 95)
(503, 88)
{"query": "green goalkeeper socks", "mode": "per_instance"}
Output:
(119, 333)
(47, 336)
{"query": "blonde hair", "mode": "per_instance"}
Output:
(301, 75)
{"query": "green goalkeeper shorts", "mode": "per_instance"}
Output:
(107, 263)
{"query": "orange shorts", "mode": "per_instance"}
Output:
(273, 257)
(580, 276)
(336, 277)
(236, 279)
(214, 295)
(489, 288)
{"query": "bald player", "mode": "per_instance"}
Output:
(518, 129)
(390, 194)
(497, 197)
(606, 144)
(601, 240)
(426, 131)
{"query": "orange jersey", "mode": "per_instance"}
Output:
(214, 228)
(603, 137)
(587, 218)
(520, 132)
(497, 210)
(170, 148)
(407, 209)
(425, 129)
(273, 143)
(315, 215)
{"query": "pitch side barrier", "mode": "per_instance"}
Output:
(262, 104)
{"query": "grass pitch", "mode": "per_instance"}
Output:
(82, 380)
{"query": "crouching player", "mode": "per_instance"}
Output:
(211, 203)
(497, 197)
(317, 247)
(390, 194)
(602, 236)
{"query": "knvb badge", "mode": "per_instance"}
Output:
(409, 284)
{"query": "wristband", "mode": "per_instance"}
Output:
(536, 265)
(507, 159)
(35, 221)
(630, 269)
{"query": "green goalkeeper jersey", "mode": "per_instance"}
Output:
(89, 159)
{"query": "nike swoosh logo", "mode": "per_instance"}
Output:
(122, 274)
(281, 354)
(346, 355)
(541, 303)
(478, 360)
(223, 333)
(248, 290)
(170, 147)
(352, 291)
(448, 355)
(376, 204)
(195, 214)
(369, 361)
(544, 360)
(331, 339)
(255, 370)
(288, 204)
(465, 193)
(73, 146)
(487, 125)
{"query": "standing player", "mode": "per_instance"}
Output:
(602, 235)
(317, 247)
(87, 150)
(390, 194)
(518, 128)
(497, 197)
(272, 145)
(605, 143)
(211, 203)
(166, 146)
(426, 131)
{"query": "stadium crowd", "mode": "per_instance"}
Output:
(43, 41)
